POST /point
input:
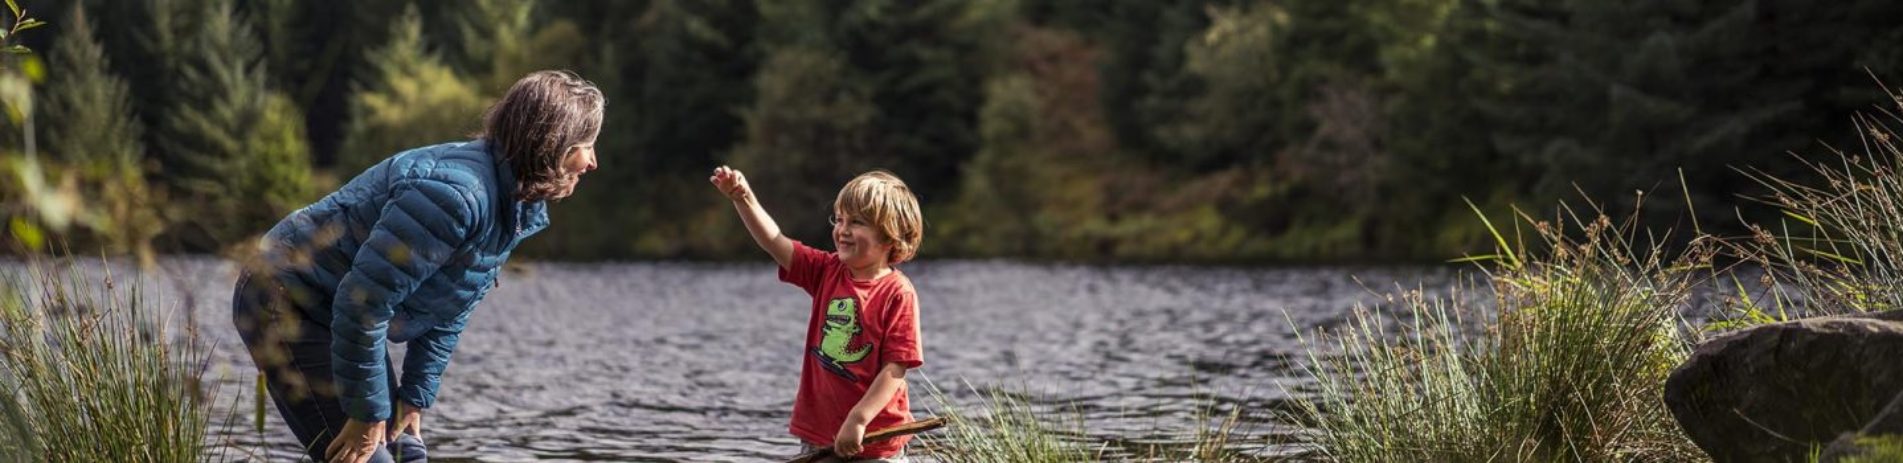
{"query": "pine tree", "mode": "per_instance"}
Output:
(810, 129)
(148, 40)
(678, 72)
(922, 63)
(415, 100)
(88, 110)
(238, 151)
(673, 73)
(1144, 83)
(88, 125)
(503, 40)
(1242, 65)
(1049, 180)
(316, 52)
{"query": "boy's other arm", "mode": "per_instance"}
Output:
(853, 431)
(765, 231)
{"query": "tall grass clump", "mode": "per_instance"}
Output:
(1003, 429)
(1839, 247)
(1557, 351)
(1216, 432)
(87, 373)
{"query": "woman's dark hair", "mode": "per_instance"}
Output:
(536, 123)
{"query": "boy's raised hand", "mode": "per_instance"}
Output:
(731, 183)
(765, 233)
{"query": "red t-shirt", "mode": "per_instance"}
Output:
(856, 327)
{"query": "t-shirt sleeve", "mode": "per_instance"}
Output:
(902, 343)
(808, 266)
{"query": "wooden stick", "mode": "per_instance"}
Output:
(914, 427)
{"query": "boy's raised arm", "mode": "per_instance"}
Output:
(765, 232)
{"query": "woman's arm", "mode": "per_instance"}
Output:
(766, 233)
(421, 226)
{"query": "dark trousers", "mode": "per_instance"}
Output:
(293, 353)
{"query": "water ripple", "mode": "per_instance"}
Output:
(699, 362)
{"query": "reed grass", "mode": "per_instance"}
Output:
(1556, 351)
(89, 372)
(1005, 427)
(1838, 247)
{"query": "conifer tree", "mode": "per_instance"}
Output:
(414, 100)
(148, 41)
(237, 152)
(810, 129)
(674, 73)
(87, 111)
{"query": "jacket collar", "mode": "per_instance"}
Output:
(520, 218)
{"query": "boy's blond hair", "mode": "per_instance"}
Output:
(885, 203)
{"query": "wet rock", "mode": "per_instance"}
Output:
(1778, 392)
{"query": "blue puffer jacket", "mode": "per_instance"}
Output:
(403, 252)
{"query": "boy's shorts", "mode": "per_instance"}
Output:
(900, 458)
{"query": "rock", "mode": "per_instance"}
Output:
(1880, 440)
(1778, 392)
(1844, 447)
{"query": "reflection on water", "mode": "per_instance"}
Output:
(699, 362)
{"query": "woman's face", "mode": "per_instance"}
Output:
(579, 160)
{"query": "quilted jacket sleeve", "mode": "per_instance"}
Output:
(425, 361)
(422, 225)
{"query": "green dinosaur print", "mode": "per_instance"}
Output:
(835, 343)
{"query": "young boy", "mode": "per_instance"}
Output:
(863, 333)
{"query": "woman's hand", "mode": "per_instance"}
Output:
(731, 183)
(408, 419)
(849, 441)
(356, 443)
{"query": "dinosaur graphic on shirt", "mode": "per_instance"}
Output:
(835, 343)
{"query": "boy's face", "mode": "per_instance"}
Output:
(858, 244)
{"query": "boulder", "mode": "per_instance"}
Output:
(1779, 392)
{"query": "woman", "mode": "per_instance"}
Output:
(402, 253)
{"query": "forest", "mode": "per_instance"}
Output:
(1291, 131)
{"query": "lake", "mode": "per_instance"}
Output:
(700, 361)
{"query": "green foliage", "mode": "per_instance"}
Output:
(416, 100)
(95, 190)
(88, 110)
(918, 64)
(1239, 61)
(1835, 248)
(238, 148)
(1018, 190)
(1876, 449)
(317, 52)
(1666, 85)
(1018, 427)
(1003, 428)
(1559, 353)
(675, 74)
(1169, 130)
(808, 132)
(89, 372)
(275, 177)
(1048, 181)
(149, 39)
(502, 40)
